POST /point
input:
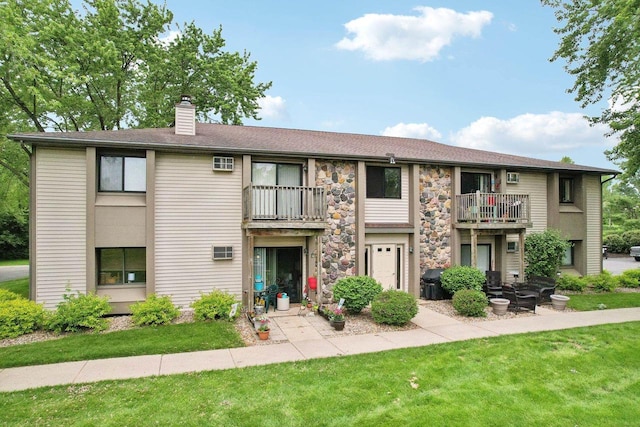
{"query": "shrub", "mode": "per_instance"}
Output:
(629, 278)
(154, 310)
(569, 282)
(616, 244)
(19, 316)
(357, 291)
(78, 312)
(215, 306)
(544, 252)
(14, 234)
(394, 307)
(6, 295)
(469, 302)
(631, 238)
(461, 277)
(603, 282)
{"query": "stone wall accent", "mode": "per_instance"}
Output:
(435, 217)
(339, 241)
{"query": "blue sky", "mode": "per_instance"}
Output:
(475, 74)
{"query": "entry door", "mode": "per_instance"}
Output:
(484, 256)
(385, 265)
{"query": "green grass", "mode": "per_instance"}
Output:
(588, 302)
(10, 262)
(133, 342)
(584, 376)
(18, 286)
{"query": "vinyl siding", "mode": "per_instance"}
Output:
(535, 185)
(593, 206)
(60, 224)
(389, 210)
(196, 209)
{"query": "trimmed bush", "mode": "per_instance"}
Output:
(603, 282)
(469, 302)
(6, 295)
(357, 291)
(569, 282)
(629, 279)
(544, 252)
(616, 244)
(394, 307)
(20, 316)
(215, 306)
(79, 312)
(461, 277)
(153, 311)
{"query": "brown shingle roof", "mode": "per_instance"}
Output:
(222, 139)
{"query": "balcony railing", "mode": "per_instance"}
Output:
(493, 207)
(284, 203)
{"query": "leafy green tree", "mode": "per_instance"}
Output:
(600, 42)
(109, 68)
(544, 252)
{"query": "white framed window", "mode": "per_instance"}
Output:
(513, 177)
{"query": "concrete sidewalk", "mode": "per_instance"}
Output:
(303, 338)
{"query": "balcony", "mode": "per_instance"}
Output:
(493, 210)
(280, 206)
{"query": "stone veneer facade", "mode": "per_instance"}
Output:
(435, 217)
(339, 242)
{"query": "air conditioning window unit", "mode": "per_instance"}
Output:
(513, 177)
(222, 252)
(222, 163)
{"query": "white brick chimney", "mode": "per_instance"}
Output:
(185, 116)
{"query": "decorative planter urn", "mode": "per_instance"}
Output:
(499, 306)
(338, 325)
(559, 302)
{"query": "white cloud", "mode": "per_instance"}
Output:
(273, 107)
(170, 37)
(421, 37)
(533, 135)
(412, 130)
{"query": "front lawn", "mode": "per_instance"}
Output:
(588, 302)
(18, 286)
(584, 376)
(10, 262)
(168, 339)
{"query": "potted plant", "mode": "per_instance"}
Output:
(337, 318)
(260, 321)
(263, 331)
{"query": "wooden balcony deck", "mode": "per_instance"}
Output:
(493, 210)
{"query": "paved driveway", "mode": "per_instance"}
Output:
(616, 264)
(13, 272)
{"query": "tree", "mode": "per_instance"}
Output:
(108, 68)
(601, 46)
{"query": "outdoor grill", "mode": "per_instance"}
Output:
(430, 284)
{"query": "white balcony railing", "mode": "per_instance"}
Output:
(493, 207)
(284, 203)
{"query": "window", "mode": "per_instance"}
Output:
(123, 173)
(568, 258)
(566, 190)
(471, 182)
(117, 266)
(383, 182)
(223, 163)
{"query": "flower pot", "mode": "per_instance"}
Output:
(338, 325)
(499, 305)
(263, 335)
(559, 302)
